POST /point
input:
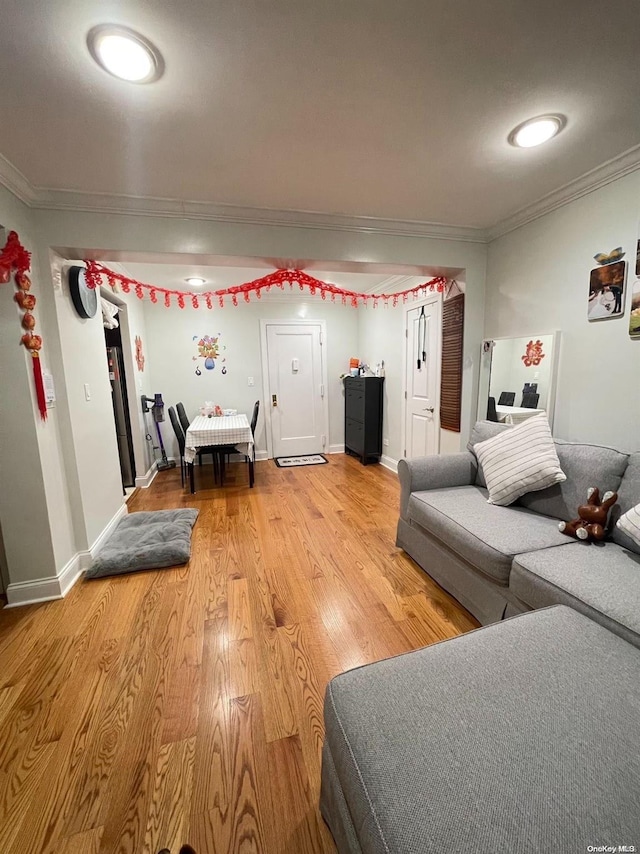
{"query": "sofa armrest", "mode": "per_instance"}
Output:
(434, 472)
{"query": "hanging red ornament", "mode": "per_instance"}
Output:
(153, 296)
(28, 321)
(39, 384)
(139, 293)
(180, 300)
(26, 301)
(5, 274)
(23, 281)
(221, 301)
(167, 299)
(194, 301)
(207, 299)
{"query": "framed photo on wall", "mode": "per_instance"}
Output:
(634, 312)
(606, 291)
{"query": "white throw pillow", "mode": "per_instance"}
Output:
(520, 460)
(629, 524)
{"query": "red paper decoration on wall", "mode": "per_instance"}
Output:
(14, 257)
(278, 279)
(533, 354)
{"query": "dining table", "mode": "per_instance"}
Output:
(515, 414)
(221, 430)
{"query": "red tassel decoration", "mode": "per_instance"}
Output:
(37, 378)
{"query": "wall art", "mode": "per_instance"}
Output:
(139, 353)
(533, 354)
(606, 290)
(209, 350)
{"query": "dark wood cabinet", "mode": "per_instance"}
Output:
(363, 418)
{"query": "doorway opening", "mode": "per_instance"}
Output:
(120, 401)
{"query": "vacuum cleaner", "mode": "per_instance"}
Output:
(155, 405)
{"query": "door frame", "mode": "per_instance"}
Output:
(431, 299)
(264, 325)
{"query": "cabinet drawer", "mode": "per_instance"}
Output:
(354, 435)
(354, 402)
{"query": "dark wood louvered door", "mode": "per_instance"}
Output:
(451, 370)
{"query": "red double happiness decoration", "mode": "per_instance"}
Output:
(279, 279)
(15, 258)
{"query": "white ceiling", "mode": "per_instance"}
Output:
(397, 110)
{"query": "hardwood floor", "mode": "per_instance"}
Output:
(185, 705)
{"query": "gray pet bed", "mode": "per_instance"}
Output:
(146, 541)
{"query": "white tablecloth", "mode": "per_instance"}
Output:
(515, 414)
(223, 430)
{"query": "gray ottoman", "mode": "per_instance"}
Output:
(523, 736)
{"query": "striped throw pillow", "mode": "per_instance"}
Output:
(629, 524)
(519, 460)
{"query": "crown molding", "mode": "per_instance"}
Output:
(69, 200)
(13, 179)
(41, 198)
(606, 173)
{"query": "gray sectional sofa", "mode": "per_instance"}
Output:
(519, 737)
(502, 561)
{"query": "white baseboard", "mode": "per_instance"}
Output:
(389, 463)
(336, 449)
(262, 455)
(147, 479)
(57, 586)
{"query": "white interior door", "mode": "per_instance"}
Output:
(423, 335)
(296, 391)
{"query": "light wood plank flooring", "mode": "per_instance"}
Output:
(185, 705)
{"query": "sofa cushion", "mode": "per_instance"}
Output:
(629, 524)
(601, 581)
(485, 535)
(628, 497)
(522, 460)
(482, 431)
(584, 465)
(518, 737)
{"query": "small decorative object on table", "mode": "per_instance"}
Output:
(592, 521)
(211, 410)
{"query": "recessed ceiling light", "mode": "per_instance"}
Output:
(195, 281)
(125, 53)
(536, 131)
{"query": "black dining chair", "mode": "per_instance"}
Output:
(530, 401)
(205, 449)
(184, 418)
(507, 398)
(226, 450)
(492, 414)
(177, 429)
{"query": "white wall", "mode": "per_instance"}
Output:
(34, 516)
(538, 280)
(170, 332)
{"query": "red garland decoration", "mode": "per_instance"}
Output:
(279, 279)
(15, 257)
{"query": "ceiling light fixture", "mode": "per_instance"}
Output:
(125, 53)
(195, 281)
(536, 131)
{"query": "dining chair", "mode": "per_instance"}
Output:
(184, 418)
(507, 398)
(177, 429)
(205, 449)
(226, 450)
(530, 401)
(492, 414)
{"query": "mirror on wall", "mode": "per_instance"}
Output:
(518, 377)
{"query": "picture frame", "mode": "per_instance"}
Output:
(606, 291)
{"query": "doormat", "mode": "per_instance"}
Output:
(308, 460)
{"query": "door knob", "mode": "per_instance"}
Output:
(274, 399)
(428, 409)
